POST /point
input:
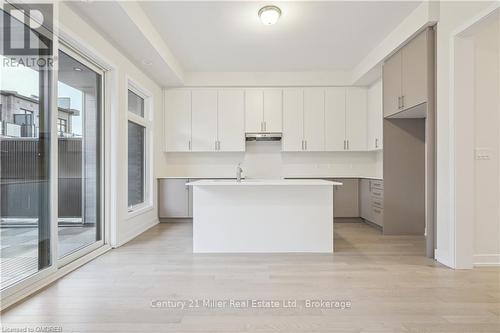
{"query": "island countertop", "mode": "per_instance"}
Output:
(264, 182)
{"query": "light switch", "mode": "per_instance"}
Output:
(482, 154)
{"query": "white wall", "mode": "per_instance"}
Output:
(126, 227)
(452, 15)
(486, 127)
(265, 160)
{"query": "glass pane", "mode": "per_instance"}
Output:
(135, 164)
(135, 104)
(79, 142)
(24, 166)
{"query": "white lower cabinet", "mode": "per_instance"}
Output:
(174, 198)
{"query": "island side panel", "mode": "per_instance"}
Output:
(265, 219)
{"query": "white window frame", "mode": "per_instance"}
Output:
(146, 122)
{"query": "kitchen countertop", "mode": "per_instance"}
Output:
(265, 182)
(331, 177)
(286, 177)
(189, 177)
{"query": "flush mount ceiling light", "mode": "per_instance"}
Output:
(269, 15)
(78, 69)
(147, 62)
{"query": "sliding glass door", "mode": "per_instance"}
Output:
(79, 122)
(25, 156)
(51, 159)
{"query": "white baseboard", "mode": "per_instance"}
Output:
(481, 260)
(443, 259)
(133, 233)
(43, 282)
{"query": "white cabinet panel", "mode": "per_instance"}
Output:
(231, 120)
(254, 110)
(204, 120)
(335, 119)
(356, 121)
(375, 116)
(177, 120)
(173, 198)
(273, 110)
(314, 119)
(293, 120)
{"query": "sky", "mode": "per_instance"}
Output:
(24, 80)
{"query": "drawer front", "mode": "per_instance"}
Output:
(376, 184)
(378, 203)
(378, 216)
(377, 193)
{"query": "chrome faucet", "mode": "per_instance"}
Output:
(239, 170)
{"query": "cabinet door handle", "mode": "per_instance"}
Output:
(402, 102)
(305, 144)
(265, 126)
(189, 145)
(347, 144)
(376, 142)
(344, 144)
(302, 144)
(218, 145)
(399, 102)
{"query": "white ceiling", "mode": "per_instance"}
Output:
(310, 36)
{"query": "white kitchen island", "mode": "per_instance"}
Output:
(263, 216)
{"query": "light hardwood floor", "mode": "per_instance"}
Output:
(391, 285)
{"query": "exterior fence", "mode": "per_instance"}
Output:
(22, 179)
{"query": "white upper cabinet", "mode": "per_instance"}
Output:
(293, 120)
(356, 118)
(335, 119)
(263, 110)
(273, 110)
(314, 119)
(254, 110)
(178, 120)
(375, 116)
(231, 120)
(204, 120)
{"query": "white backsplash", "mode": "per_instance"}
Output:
(265, 160)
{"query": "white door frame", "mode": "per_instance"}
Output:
(462, 196)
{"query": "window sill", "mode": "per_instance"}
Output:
(138, 210)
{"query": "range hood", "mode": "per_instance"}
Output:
(263, 136)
